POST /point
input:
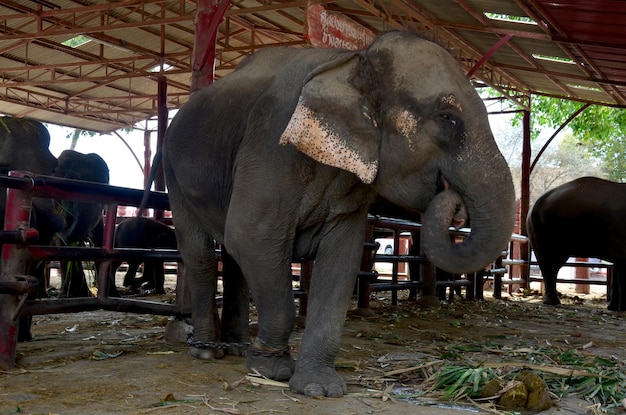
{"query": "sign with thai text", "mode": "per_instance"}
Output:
(328, 29)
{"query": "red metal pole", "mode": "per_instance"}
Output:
(489, 53)
(525, 198)
(17, 217)
(209, 15)
(107, 245)
(159, 179)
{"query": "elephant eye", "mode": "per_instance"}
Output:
(446, 117)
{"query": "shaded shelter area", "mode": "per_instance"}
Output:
(101, 66)
(108, 78)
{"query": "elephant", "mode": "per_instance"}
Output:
(282, 158)
(582, 218)
(24, 145)
(82, 219)
(140, 232)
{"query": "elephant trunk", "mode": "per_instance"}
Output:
(491, 217)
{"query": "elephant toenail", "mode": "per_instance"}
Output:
(314, 390)
(335, 391)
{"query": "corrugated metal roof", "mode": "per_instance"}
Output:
(574, 49)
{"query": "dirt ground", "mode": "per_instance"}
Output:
(117, 363)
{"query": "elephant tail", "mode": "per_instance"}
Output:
(146, 191)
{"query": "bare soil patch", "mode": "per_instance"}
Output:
(117, 363)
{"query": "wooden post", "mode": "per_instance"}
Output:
(582, 273)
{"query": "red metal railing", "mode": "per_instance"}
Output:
(14, 287)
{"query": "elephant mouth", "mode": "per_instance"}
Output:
(459, 216)
(442, 184)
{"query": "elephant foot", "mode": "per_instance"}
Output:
(275, 364)
(551, 300)
(612, 307)
(319, 383)
(206, 354)
(23, 333)
(178, 330)
(428, 301)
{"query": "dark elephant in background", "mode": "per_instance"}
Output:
(282, 158)
(24, 145)
(83, 220)
(582, 218)
(144, 233)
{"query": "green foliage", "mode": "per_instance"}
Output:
(601, 129)
(603, 382)
(459, 381)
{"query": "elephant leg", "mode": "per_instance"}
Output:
(147, 277)
(617, 300)
(235, 307)
(334, 275)
(153, 276)
(266, 263)
(198, 254)
(270, 283)
(549, 272)
(158, 277)
(131, 272)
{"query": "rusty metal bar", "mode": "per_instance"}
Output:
(58, 188)
(76, 305)
(16, 218)
(21, 285)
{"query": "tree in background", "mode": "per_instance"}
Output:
(600, 130)
(564, 160)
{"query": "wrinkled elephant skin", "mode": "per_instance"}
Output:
(582, 218)
(282, 158)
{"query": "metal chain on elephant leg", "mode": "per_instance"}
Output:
(272, 353)
(227, 345)
(214, 345)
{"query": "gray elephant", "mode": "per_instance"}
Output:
(282, 158)
(24, 145)
(582, 218)
(144, 233)
(82, 219)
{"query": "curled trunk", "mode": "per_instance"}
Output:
(491, 222)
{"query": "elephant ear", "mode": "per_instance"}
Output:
(333, 122)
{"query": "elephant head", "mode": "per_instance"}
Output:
(80, 217)
(403, 117)
(24, 146)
